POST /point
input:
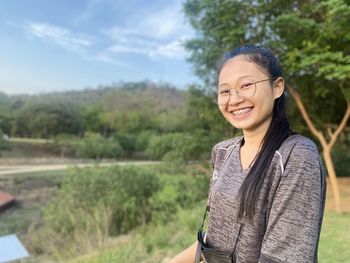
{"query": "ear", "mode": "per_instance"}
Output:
(278, 87)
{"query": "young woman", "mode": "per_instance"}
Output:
(267, 191)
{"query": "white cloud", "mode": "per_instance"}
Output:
(167, 22)
(107, 59)
(58, 35)
(158, 35)
(171, 50)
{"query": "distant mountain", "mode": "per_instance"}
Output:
(123, 96)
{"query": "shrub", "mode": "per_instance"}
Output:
(4, 144)
(179, 191)
(93, 204)
(143, 139)
(65, 144)
(95, 146)
(127, 143)
(174, 147)
(179, 148)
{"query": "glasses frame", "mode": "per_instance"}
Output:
(237, 92)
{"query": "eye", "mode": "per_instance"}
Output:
(246, 85)
(224, 92)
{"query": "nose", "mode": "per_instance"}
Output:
(234, 98)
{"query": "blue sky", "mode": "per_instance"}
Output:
(73, 44)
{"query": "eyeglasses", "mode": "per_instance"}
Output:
(243, 89)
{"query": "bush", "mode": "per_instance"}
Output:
(95, 146)
(126, 190)
(179, 191)
(143, 139)
(65, 144)
(127, 143)
(174, 147)
(179, 148)
(93, 204)
(4, 145)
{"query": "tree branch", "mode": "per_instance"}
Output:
(329, 131)
(341, 125)
(309, 123)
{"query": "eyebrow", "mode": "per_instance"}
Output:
(240, 78)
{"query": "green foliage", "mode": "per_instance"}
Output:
(95, 146)
(142, 140)
(4, 145)
(172, 121)
(6, 114)
(153, 243)
(178, 148)
(47, 119)
(143, 106)
(127, 142)
(93, 204)
(341, 157)
(6, 121)
(93, 118)
(158, 243)
(66, 144)
(305, 35)
(203, 114)
(178, 191)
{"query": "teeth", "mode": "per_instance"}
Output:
(241, 112)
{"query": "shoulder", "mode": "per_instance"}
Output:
(227, 144)
(298, 146)
(297, 150)
(300, 157)
(220, 150)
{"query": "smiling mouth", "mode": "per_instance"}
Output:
(241, 111)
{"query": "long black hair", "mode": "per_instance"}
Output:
(277, 132)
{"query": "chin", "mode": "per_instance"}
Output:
(243, 126)
(240, 124)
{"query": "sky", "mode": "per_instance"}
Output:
(61, 45)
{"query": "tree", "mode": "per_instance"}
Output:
(93, 119)
(6, 116)
(4, 145)
(305, 34)
(203, 114)
(47, 119)
(127, 142)
(95, 146)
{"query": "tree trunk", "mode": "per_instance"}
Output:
(326, 145)
(332, 177)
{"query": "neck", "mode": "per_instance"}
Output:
(254, 138)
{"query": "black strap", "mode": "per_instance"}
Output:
(201, 233)
(200, 236)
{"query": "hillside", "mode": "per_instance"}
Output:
(121, 96)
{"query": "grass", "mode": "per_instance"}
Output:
(152, 243)
(30, 140)
(335, 238)
(146, 244)
(32, 191)
(158, 243)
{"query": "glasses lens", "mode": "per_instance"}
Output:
(246, 88)
(223, 97)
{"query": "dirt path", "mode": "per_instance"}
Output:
(18, 169)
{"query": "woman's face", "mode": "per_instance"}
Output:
(247, 110)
